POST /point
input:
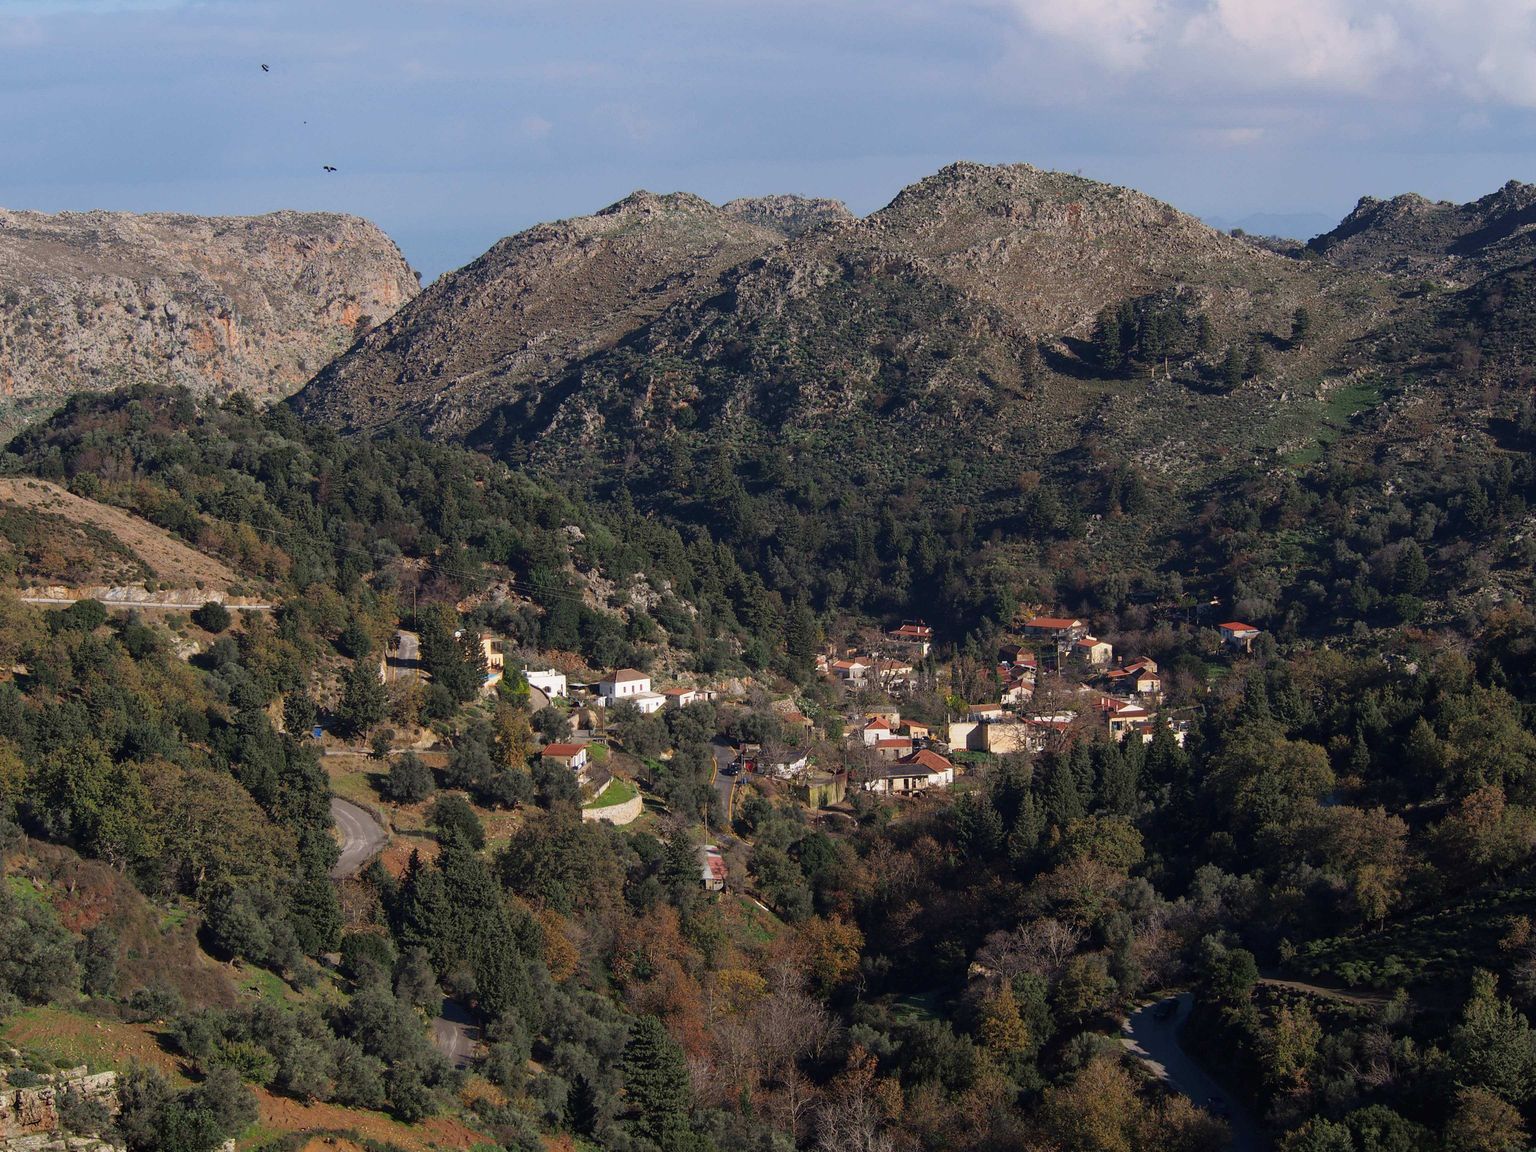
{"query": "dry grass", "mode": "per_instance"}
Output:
(172, 562)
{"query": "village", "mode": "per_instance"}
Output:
(882, 721)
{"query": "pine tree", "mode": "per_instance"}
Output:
(1061, 800)
(364, 702)
(656, 1082)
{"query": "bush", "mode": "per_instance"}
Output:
(409, 781)
(212, 617)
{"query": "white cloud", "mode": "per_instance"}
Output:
(1120, 33)
(1480, 50)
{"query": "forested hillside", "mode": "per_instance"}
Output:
(810, 479)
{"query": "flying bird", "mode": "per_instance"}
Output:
(264, 68)
(329, 168)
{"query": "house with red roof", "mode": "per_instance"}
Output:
(918, 772)
(1062, 629)
(572, 756)
(1235, 634)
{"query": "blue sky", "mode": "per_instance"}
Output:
(455, 122)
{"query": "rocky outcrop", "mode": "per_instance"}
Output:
(1409, 235)
(791, 215)
(29, 1117)
(1006, 254)
(99, 299)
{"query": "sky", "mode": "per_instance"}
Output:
(452, 123)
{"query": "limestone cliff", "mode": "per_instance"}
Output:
(97, 299)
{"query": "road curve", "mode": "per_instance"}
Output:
(362, 837)
(455, 1033)
(1156, 1043)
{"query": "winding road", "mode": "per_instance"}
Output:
(455, 1033)
(1156, 1043)
(362, 837)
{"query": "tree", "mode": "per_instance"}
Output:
(409, 781)
(656, 1082)
(1002, 1030)
(211, 617)
(299, 712)
(364, 702)
(1493, 1046)
(455, 822)
(1484, 1123)
(1301, 325)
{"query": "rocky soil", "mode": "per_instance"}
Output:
(99, 299)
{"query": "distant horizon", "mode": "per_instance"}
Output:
(455, 123)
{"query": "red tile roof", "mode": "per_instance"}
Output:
(1055, 623)
(628, 676)
(932, 761)
(563, 750)
(1235, 626)
(894, 742)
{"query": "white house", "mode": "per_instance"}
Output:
(647, 702)
(878, 728)
(549, 682)
(572, 756)
(915, 773)
(1238, 635)
(682, 697)
(1097, 653)
(624, 684)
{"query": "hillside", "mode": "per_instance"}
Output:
(100, 299)
(50, 536)
(535, 303)
(1036, 253)
(1006, 385)
(1409, 235)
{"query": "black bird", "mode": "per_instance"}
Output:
(264, 68)
(329, 168)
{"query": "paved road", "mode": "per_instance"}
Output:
(405, 664)
(724, 785)
(1156, 1043)
(362, 837)
(455, 1033)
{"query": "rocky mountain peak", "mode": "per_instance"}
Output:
(792, 215)
(1411, 235)
(92, 300)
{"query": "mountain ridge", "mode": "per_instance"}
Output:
(250, 303)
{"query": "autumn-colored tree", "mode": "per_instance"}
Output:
(1484, 1123)
(1002, 1030)
(1098, 1111)
(830, 950)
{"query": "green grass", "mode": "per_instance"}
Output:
(621, 791)
(24, 890)
(263, 983)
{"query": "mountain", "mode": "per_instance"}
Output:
(1005, 379)
(98, 299)
(538, 301)
(1021, 252)
(1412, 236)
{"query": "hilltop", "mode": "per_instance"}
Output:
(257, 304)
(1409, 235)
